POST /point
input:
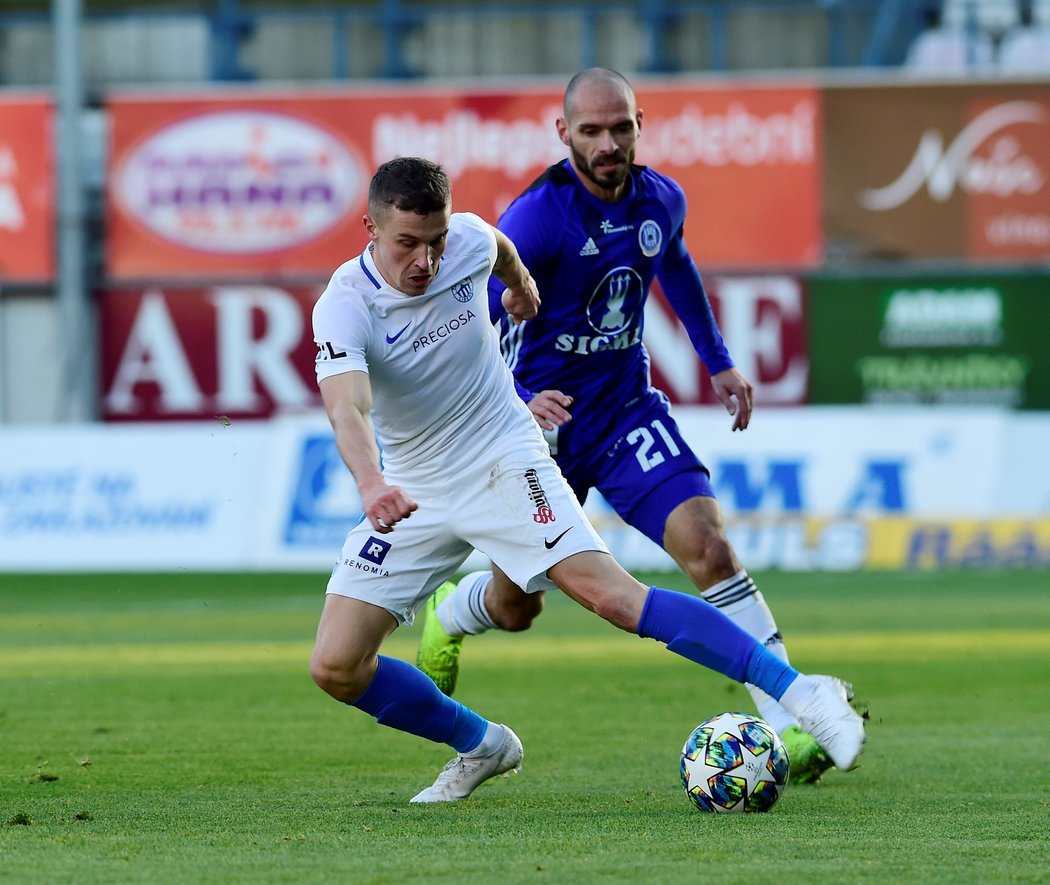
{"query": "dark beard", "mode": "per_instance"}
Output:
(609, 182)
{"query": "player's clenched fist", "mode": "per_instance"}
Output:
(386, 505)
(521, 301)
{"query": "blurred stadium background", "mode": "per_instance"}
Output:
(869, 203)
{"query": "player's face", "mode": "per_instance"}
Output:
(407, 246)
(602, 134)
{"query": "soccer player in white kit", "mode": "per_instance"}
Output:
(408, 356)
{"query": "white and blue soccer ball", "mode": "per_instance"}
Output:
(734, 762)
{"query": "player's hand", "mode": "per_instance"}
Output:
(550, 408)
(386, 505)
(522, 300)
(735, 392)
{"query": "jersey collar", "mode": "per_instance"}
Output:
(368, 266)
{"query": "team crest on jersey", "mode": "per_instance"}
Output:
(650, 238)
(463, 290)
(615, 304)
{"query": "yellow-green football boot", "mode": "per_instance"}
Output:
(438, 654)
(808, 759)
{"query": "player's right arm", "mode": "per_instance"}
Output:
(348, 401)
(535, 228)
(520, 299)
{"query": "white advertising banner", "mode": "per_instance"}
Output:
(313, 500)
(814, 488)
(836, 461)
(130, 497)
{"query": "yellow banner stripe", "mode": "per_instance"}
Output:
(42, 660)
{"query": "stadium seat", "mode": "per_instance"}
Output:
(991, 17)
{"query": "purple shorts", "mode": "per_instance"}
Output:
(643, 468)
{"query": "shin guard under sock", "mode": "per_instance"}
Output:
(402, 697)
(697, 630)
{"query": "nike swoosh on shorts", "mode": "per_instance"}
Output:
(550, 544)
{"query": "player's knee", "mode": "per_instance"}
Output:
(341, 682)
(515, 618)
(325, 676)
(710, 559)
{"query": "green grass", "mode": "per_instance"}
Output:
(163, 728)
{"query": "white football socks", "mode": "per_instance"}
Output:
(743, 603)
(463, 611)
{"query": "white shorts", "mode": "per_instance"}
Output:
(519, 512)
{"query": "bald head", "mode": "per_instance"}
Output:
(584, 85)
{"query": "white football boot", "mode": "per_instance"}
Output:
(460, 777)
(826, 714)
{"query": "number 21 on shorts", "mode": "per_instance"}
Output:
(649, 450)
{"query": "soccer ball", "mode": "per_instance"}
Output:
(734, 762)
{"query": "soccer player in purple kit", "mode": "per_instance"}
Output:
(595, 230)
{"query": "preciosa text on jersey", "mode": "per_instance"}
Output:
(443, 331)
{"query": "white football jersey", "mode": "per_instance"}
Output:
(442, 395)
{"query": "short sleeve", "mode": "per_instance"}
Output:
(341, 330)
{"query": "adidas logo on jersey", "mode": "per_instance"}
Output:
(589, 248)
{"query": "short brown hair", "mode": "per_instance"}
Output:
(410, 184)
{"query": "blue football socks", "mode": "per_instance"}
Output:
(402, 697)
(695, 629)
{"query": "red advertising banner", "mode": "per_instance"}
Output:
(948, 171)
(221, 352)
(27, 214)
(247, 351)
(763, 320)
(273, 185)
(750, 161)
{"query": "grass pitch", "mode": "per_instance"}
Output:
(164, 728)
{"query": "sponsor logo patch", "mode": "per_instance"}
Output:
(374, 550)
(544, 513)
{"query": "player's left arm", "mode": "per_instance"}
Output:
(521, 298)
(684, 288)
(735, 392)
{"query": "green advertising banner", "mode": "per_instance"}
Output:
(965, 339)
